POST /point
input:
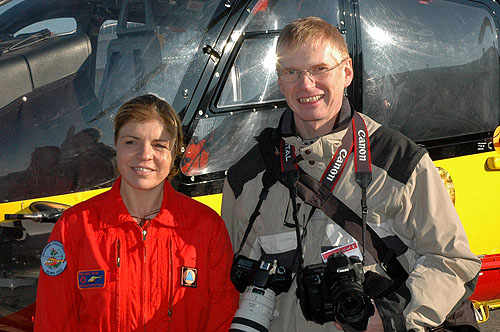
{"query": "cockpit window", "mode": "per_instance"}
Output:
(249, 81)
(252, 79)
(430, 68)
(60, 93)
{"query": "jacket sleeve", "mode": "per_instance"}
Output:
(56, 294)
(444, 261)
(223, 295)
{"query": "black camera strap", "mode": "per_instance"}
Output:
(289, 177)
(268, 180)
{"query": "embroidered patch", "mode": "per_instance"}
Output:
(188, 276)
(53, 258)
(91, 279)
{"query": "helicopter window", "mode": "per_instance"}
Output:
(57, 26)
(107, 33)
(274, 15)
(430, 68)
(218, 142)
(252, 79)
(143, 53)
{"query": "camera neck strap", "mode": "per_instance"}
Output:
(356, 138)
(268, 180)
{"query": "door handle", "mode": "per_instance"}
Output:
(493, 164)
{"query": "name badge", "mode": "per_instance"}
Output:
(350, 249)
(91, 279)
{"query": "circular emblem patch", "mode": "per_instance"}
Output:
(53, 258)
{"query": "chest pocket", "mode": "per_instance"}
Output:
(282, 246)
(100, 284)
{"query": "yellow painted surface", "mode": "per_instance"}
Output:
(214, 201)
(477, 199)
(70, 199)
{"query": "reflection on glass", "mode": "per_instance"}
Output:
(219, 142)
(58, 138)
(430, 69)
(252, 79)
(274, 15)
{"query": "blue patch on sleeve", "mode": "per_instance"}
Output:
(53, 258)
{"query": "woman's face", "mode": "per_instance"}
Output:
(144, 154)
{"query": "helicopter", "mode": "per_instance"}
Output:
(427, 68)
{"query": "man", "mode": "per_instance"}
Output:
(413, 232)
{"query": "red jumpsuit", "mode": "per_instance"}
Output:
(102, 272)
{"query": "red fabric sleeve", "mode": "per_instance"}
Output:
(56, 293)
(223, 296)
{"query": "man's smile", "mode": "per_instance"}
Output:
(310, 99)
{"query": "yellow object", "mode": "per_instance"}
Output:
(483, 309)
(496, 139)
(214, 201)
(476, 198)
(23, 206)
(493, 163)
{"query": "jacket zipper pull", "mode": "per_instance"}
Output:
(118, 253)
(170, 277)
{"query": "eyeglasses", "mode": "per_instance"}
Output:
(293, 75)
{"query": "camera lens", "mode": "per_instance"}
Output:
(352, 307)
(350, 303)
(255, 311)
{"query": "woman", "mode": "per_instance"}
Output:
(139, 257)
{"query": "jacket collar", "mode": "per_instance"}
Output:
(115, 212)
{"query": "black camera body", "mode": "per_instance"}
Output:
(260, 282)
(262, 274)
(334, 292)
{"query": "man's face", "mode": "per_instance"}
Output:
(315, 101)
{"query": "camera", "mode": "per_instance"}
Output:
(334, 291)
(260, 282)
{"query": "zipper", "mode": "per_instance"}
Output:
(118, 249)
(170, 291)
(118, 285)
(144, 231)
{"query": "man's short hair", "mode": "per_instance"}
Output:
(311, 31)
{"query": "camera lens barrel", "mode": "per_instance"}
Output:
(257, 308)
(352, 307)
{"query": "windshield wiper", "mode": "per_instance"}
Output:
(29, 40)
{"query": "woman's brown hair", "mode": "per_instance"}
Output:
(150, 107)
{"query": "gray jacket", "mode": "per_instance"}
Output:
(408, 207)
